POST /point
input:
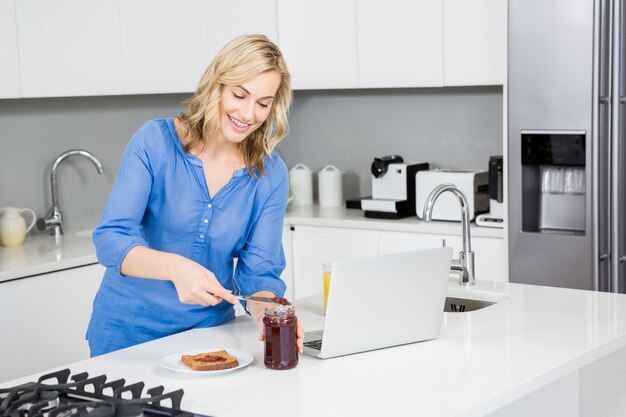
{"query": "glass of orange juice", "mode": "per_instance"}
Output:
(326, 269)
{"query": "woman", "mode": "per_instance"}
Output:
(192, 194)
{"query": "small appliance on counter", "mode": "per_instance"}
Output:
(495, 217)
(473, 183)
(393, 188)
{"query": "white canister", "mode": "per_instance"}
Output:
(301, 185)
(330, 187)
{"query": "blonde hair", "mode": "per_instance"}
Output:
(240, 61)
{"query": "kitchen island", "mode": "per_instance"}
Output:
(538, 351)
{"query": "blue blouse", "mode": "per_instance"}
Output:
(160, 200)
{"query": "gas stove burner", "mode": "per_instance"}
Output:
(54, 395)
(44, 401)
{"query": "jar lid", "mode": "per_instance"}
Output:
(329, 171)
(279, 310)
(300, 168)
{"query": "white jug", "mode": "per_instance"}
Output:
(330, 189)
(301, 185)
(13, 227)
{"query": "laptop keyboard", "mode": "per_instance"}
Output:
(314, 344)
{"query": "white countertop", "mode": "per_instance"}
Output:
(40, 253)
(353, 218)
(482, 360)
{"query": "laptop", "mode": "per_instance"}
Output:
(382, 301)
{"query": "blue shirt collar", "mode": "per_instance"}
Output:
(191, 158)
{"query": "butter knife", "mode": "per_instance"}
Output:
(256, 299)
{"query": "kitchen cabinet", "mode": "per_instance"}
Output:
(474, 42)
(400, 43)
(66, 48)
(9, 70)
(489, 253)
(313, 246)
(44, 319)
(253, 16)
(164, 45)
(318, 40)
(69, 48)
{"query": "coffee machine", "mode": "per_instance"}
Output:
(393, 188)
(495, 217)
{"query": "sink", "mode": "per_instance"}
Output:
(463, 305)
(463, 300)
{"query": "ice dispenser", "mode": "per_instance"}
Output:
(553, 181)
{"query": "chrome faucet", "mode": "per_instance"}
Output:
(465, 263)
(54, 218)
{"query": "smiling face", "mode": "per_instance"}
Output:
(244, 107)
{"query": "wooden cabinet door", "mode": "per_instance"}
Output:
(313, 246)
(164, 45)
(318, 39)
(400, 43)
(69, 48)
(44, 320)
(474, 42)
(9, 69)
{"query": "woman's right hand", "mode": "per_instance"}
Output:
(197, 285)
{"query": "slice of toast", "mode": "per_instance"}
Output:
(210, 361)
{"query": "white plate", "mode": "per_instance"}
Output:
(173, 362)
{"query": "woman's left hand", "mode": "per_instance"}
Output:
(257, 311)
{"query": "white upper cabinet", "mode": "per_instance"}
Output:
(163, 44)
(9, 69)
(318, 39)
(474, 42)
(400, 43)
(57, 48)
(69, 48)
(227, 20)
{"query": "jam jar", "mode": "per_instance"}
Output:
(280, 323)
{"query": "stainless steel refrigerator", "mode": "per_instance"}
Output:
(566, 152)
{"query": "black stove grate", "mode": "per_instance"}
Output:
(58, 395)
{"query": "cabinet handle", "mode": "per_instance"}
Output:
(604, 257)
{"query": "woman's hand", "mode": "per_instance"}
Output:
(197, 285)
(257, 311)
(194, 283)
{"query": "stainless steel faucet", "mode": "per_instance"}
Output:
(465, 263)
(54, 218)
